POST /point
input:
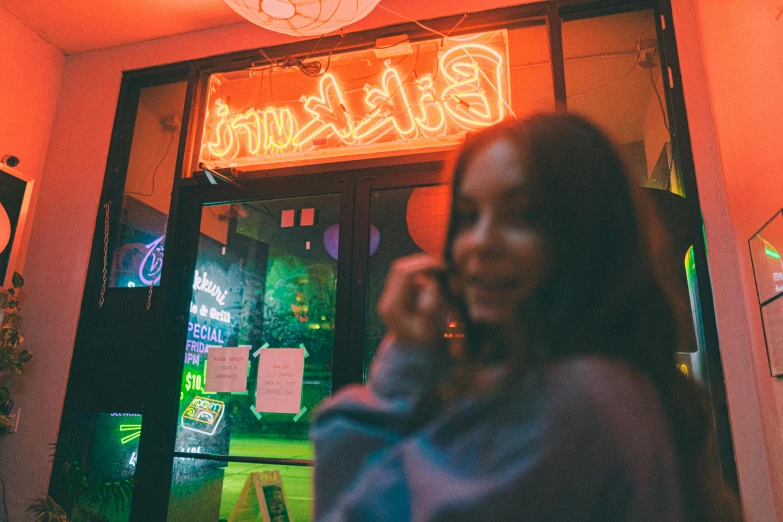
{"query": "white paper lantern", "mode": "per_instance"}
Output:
(303, 17)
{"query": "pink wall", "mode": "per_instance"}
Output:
(59, 247)
(30, 75)
(730, 54)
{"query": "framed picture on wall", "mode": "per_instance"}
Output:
(772, 319)
(766, 248)
(15, 193)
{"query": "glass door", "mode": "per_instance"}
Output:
(406, 214)
(279, 284)
(258, 355)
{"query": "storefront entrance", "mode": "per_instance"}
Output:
(289, 271)
(330, 178)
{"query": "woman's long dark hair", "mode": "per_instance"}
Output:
(612, 288)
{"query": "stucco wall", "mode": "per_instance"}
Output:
(30, 76)
(30, 73)
(732, 73)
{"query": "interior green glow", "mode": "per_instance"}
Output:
(772, 253)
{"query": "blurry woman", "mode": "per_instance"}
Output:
(563, 403)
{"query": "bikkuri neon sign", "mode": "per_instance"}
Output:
(463, 90)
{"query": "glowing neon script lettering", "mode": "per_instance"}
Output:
(468, 93)
(202, 415)
(152, 264)
(203, 284)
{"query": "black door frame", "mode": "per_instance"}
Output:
(159, 421)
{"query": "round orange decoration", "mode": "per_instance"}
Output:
(427, 216)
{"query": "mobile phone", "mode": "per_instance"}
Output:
(454, 327)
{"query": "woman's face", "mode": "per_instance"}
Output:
(499, 251)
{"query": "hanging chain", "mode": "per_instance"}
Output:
(107, 209)
(163, 252)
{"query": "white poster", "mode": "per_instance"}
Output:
(279, 386)
(227, 369)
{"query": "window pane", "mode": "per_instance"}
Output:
(138, 257)
(613, 77)
(403, 221)
(396, 99)
(693, 361)
(209, 491)
(531, 70)
(96, 457)
(266, 279)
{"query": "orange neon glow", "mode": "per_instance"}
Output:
(390, 110)
(223, 138)
(465, 98)
(467, 90)
(280, 129)
(432, 120)
(328, 116)
(253, 127)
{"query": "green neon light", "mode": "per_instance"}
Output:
(134, 428)
(772, 253)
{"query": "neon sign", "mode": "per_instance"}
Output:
(203, 415)
(134, 429)
(453, 87)
(152, 264)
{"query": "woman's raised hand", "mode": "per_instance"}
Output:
(412, 305)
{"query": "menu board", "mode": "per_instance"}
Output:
(766, 247)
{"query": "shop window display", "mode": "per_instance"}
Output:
(266, 280)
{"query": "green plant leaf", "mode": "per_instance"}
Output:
(13, 302)
(82, 514)
(10, 337)
(5, 423)
(25, 356)
(3, 299)
(17, 280)
(11, 320)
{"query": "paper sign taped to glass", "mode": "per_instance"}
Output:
(227, 369)
(279, 385)
(262, 498)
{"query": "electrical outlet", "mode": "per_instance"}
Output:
(646, 54)
(171, 123)
(15, 420)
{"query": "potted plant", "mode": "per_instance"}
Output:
(12, 358)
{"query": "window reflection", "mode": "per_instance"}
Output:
(138, 257)
(614, 78)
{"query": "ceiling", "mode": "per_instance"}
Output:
(599, 53)
(75, 26)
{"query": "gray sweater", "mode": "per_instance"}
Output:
(587, 440)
